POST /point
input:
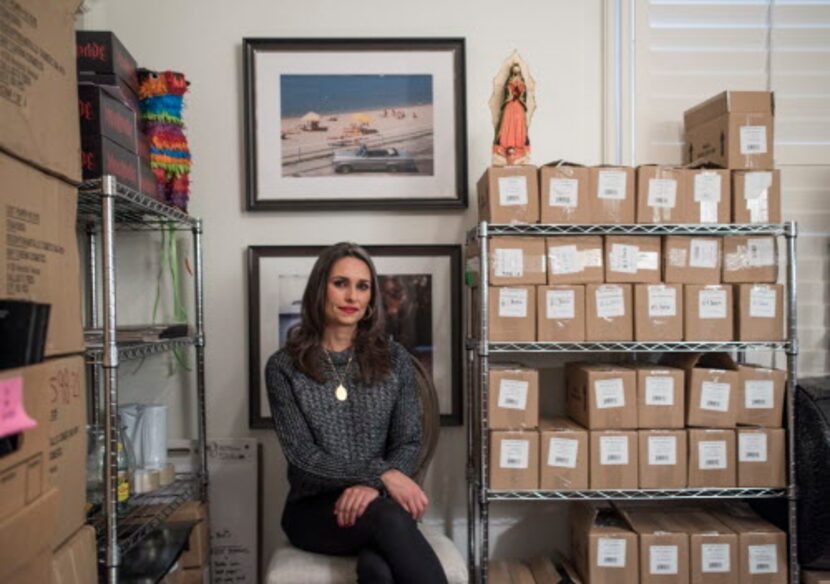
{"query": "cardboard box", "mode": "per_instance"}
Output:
(711, 389)
(756, 196)
(760, 312)
(661, 397)
(147, 181)
(575, 259)
(513, 261)
(733, 129)
(691, 259)
(762, 547)
(602, 397)
(713, 547)
(811, 577)
(27, 533)
(560, 313)
(76, 561)
(660, 195)
(612, 195)
(514, 398)
(603, 547)
(609, 314)
(197, 549)
(658, 312)
(510, 572)
(101, 156)
(512, 314)
(750, 259)
(761, 457)
(509, 194)
(632, 259)
(708, 195)
(564, 460)
(664, 546)
(708, 313)
(35, 572)
(103, 114)
(40, 122)
(663, 459)
(712, 459)
(126, 94)
(101, 52)
(40, 260)
(514, 460)
(196, 575)
(614, 459)
(761, 395)
(565, 191)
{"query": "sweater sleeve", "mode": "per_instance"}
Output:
(404, 441)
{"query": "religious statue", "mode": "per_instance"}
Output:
(512, 105)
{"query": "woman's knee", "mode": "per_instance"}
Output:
(389, 517)
(373, 569)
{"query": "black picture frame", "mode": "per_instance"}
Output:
(298, 258)
(449, 176)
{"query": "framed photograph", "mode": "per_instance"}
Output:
(420, 287)
(355, 123)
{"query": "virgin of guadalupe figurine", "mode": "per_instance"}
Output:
(512, 104)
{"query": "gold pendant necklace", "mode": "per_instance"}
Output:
(341, 393)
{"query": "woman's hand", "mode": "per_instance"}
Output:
(353, 503)
(406, 492)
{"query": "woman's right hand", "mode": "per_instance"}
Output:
(406, 492)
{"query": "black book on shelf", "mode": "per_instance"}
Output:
(23, 326)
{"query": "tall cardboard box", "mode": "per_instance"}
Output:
(708, 195)
(761, 394)
(565, 193)
(661, 397)
(613, 195)
(76, 561)
(614, 459)
(664, 546)
(602, 397)
(658, 312)
(663, 462)
(749, 259)
(513, 261)
(760, 312)
(514, 398)
(609, 312)
(509, 194)
(761, 457)
(756, 196)
(660, 195)
(630, 258)
(514, 460)
(512, 314)
(691, 259)
(708, 313)
(711, 389)
(27, 533)
(762, 547)
(575, 259)
(603, 548)
(733, 129)
(712, 459)
(560, 313)
(510, 572)
(713, 547)
(564, 460)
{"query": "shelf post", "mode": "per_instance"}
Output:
(199, 297)
(791, 234)
(484, 422)
(92, 321)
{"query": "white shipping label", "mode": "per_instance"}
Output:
(509, 263)
(711, 455)
(623, 258)
(512, 190)
(753, 139)
(662, 450)
(708, 188)
(758, 209)
(514, 454)
(591, 258)
(609, 393)
(715, 396)
(611, 184)
(703, 253)
(513, 302)
(613, 450)
(757, 185)
(610, 302)
(711, 303)
(662, 559)
(564, 259)
(762, 302)
(760, 252)
(662, 193)
(677, 257)
(647, 260)
(611, 552)
(752, 447)
(564, 192)
(513, 394)
(763, 559)
(562, 452)
(708, 212)
(560, 304)
(659, 391)
(714, 558)
(758, 394)
(662, 301)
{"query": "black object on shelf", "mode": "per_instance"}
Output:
(23, 327)
(150, 560)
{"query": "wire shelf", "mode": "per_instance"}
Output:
(133, 210)
(642, 229)
(635, 495)
(138, 350)
(631, 347)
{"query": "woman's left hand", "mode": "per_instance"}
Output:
(353, 503)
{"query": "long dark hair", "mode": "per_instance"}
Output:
(371, 345)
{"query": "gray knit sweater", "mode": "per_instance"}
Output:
(331, 444)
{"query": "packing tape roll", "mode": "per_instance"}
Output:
(146, 480)
(167, 474)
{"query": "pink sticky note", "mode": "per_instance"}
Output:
(13, 416)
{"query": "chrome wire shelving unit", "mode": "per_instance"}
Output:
(104, 208)
(479, 352)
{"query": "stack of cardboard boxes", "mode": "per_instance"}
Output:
(42, 468)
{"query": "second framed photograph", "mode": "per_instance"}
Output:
(420, 290)
(355, 123)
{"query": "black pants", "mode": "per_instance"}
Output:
(385, 539)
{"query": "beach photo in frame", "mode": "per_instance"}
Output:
(355, 123)
(420, 290)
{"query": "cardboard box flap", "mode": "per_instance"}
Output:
(646, 520)
(698, 522)
(742, 519)
(560, 423)
(76, 562)
(26, 533)
(702, 360)
(730, 102)
(560, 162)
